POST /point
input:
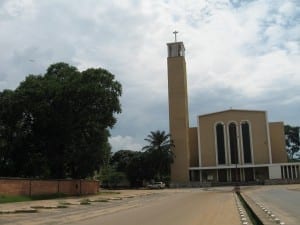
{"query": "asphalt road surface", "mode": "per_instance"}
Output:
(283, 201)
(190, 208)
(181, 207)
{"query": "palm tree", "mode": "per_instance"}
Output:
(160, 152)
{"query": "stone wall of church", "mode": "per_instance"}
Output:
(260, 146)
(193, 143)
(277, 140)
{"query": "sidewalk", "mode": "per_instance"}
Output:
(275, 203)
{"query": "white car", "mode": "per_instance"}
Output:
(157, 185)
(296, 155)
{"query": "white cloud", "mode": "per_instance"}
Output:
(238, 53)
(124, 143)
(239, 49)
(17, 8)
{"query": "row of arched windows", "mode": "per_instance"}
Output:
(233, 142)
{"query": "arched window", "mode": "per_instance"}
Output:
(220, 143)
(246, 142)
(233, 144)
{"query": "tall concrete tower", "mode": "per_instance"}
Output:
(178, 111)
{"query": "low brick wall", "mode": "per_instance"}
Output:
(15, 186)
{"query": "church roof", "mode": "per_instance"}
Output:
(233, 110)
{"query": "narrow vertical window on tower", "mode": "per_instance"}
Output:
(246, 138)
(179, 50)
(220, 143)
(233, 144)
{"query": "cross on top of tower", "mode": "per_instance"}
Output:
(175, 33)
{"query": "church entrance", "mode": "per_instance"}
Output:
(249, 174)
(235, 175)
(222, 175)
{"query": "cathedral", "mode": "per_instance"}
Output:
(226, 146)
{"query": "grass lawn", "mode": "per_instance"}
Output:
(6, 199)
(22, 198)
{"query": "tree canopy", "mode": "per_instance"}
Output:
(159, 151)
(56, 125)
(292, 140)
(153, 163)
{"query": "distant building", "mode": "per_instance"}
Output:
(227, 146)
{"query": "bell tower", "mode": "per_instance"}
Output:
(178, 111)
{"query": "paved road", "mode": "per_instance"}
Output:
(192, 208)
(181, 207)
(283, 201)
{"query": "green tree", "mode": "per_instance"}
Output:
(8, 132)
(292, 140)
(121, 159)
(159, 153)
(152, 163)
(110, 177)
(136, 170)
(132, 164)
(60, 120)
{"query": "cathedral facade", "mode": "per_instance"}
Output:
(227, 146)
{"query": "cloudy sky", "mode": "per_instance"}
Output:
(239, 54)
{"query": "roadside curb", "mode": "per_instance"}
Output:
(243, 215)
(264, 214)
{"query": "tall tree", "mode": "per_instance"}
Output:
(136, 170)
(8, 132)
(292, 139)
(131, 163)
(159, 152)
(121, 159)
(60, 123)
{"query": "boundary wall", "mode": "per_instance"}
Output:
(19, 186)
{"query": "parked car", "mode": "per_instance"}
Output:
(157, 185)
(296, 155)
